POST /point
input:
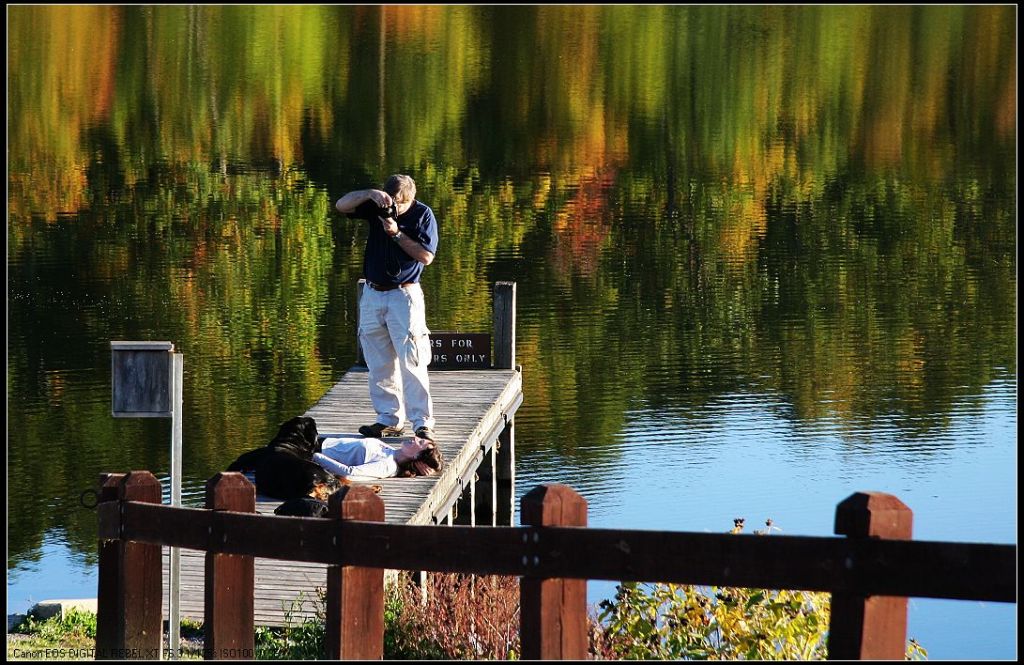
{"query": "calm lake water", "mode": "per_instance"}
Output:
(765, 256)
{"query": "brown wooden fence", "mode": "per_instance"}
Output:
(871, 571)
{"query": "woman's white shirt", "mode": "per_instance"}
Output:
(357, 456)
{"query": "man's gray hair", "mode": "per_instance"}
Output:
(400, 187)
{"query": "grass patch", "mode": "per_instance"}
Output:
(73, 637)
(68, 637)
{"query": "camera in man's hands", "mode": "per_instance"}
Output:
(389, 211)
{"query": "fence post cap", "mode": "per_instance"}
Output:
(110, 486)
(553, 504)
(140, 486)
(230, 490)
(229, 479)
(355, 502)
(873, 514)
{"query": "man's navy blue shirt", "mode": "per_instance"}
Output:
(384, 261)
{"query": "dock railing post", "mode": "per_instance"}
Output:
(230, 578)
(130, 610)
(869, 627)
(553, 615)
(355, 595)
(505, 475)
(504, 463)
(493, 479)
(504, 325)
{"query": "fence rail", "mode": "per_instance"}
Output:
(870, 572)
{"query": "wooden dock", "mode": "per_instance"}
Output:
(474, 411)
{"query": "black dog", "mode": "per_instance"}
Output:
(305, 506)
(284, 468)
(284, 476)
(297, 437)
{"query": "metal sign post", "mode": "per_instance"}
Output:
(146, 382)
(174, 584)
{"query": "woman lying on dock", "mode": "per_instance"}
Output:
(351, 457)
(362, 458)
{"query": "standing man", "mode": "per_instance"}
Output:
(392, 317)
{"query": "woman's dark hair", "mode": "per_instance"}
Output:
(427, 463)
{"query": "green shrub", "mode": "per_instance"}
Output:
(676, 621)
(297, 640)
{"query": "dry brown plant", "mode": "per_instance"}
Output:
(459, 617)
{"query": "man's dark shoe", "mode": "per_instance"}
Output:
(425, 433)
(379, 430)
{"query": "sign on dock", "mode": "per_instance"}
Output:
(459, 350)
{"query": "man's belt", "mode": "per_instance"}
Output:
(388, 287)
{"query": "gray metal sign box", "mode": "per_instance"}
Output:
(141, 379)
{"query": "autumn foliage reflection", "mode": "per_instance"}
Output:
(776, 188)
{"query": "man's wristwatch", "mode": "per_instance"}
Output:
(397, 236)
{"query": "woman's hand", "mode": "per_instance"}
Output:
(411, 450)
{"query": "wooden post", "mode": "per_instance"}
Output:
(130, 608)
(493, 455)
(505, 472)
(355, 595)
(869, 627)
(108, 604)
(230, 578)
(472, 500)
(553, 614)
(486, 490)
(465, 512)
(360, 287)
(504, 325)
